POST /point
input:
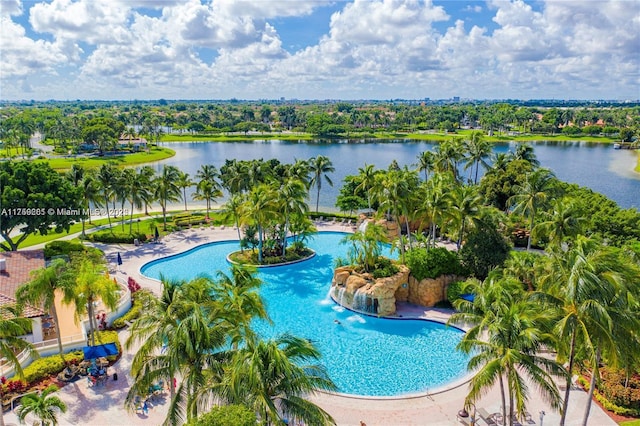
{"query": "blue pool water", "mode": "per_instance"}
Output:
(363, 355)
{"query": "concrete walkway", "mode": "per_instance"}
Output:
(105, 405)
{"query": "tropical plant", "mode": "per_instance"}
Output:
(531, 195)
(320, 166)
(42, 289)
(43, 406)
(106, 179)
(592, 288)
(477, 150)
(504, 342)
(167, 189)
(465, 210)
(184, 182)
(426, 162)
(273, 377)
(207, 188)
(259, 209)
(365, 247)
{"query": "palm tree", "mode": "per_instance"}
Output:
(531, 195)
(86, 283)
(291, 199)
(208, 187)
(366, 181)
(478, 149)
(591, 287)
(509, 329)
(44, 406)
(465, 209)
(273, 377)
(564, 223)
(106, 179)
(45, 284)
(447, 156)
(167, 189)
(11, 326)
(75, 174)
(240, 302)
(435, 202)
(426, 162)
(184, 182)
(136, 191)
(90, 193)
(525, 152)
(366, 246)
(232, 208)
(320, 166)
(259, 209)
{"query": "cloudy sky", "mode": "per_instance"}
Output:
(362, 49)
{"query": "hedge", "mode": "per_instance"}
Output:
(109, 237)
(133, 313)
(608, 405)
(42, 368)
(62, 248)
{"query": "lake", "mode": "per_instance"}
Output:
(597, 166)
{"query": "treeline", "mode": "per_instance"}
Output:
(70, 125)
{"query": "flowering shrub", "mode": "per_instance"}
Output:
(133, 285)
(620, 389)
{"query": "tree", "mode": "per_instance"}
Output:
(478, 149)
(90, 193)
(106, 178)
(31, 195)
(273, 377)
(564, 223)
(86, 283)
(591, 287)
(508, 332)
(320, 166)
(259, 209)
(532, 195)
(484, 250)
(366, 180)
(12, 326)
(167, 189)
(465, 210)
(42, 289)
(44, 406)
(185, 182)
(426, 162)
(207, 187)
(136, 191)
(232, 209)
(525, 152)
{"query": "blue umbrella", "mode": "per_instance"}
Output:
(119, 259)
(157, 234)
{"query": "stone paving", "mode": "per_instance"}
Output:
(105, 405)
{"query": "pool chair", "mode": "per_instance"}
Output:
(490, 419)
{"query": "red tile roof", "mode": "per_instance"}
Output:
(19, 265)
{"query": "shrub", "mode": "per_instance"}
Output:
(132, 314)
(226, 415)
(62, 248)
(484, 250)
(608, 405)
(614, 389)
(384, 268)
(42, 368)
(431, 263)
(109, 237)
(109, 336)
(457, 289)
(133, 285)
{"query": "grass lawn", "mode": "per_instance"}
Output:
(630, 423)
(235, 137)
(638, 166)
(156, 154)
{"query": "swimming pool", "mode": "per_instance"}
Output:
(364, 355)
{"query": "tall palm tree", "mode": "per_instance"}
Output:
(291, 199)
(167, 189)
(86, 284)
(12, 326)
(435, 202)
(106, 178)
(447, 156)
(320, 166)
(42, 289)
(532, 194)
(136, 190)
(44, 406)
(259, 209)
(273, 377)
(75, 174)
(525, 152)
(591, 287)
(508, 332)
(366, 181)
(465, 209)
(90, 193)
(232, 209)
(426, 162)
(207, 188)
(185, 182)
(477, 150)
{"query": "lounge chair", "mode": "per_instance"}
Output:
(489, 419)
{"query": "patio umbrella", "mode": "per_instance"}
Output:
(157, 234)
(119, 259)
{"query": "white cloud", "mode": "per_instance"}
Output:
(373, 49)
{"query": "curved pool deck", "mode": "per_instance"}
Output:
(437, 408)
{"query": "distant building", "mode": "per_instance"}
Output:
(136, 144)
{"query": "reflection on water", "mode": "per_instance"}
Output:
(597, 166)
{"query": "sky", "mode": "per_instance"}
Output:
(299, 49)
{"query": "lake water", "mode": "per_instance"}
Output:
(597, 166)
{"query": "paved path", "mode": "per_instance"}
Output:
(105, 405)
